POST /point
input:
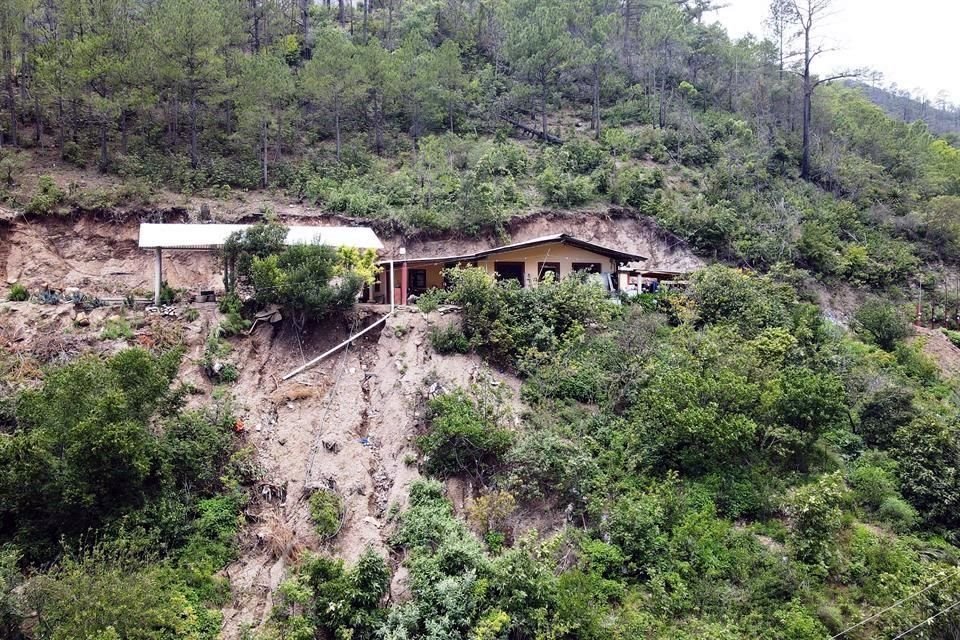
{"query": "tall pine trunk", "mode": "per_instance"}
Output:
(336, 125)
(194, 150)
(807, 100)
(543, 108)
(255, 15)
(124, 133)
(595, 111)
(366, 10)
(37, 118)
(61, 127)
(378, 122)
(263, 158)
(11, 95)
(104, 152)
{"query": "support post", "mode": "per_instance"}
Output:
(158, 276)
(403, 283)
(393, 290)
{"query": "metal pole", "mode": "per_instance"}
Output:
(393, 287)
(319, 358)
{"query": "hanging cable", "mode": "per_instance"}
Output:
(896, 604)
(927, 621)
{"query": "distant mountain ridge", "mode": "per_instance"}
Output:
(940, 115)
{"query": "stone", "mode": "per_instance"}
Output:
(82, 320)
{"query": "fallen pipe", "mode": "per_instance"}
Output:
(329, 352)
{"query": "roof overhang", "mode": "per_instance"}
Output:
(561, 238)
(210, 237)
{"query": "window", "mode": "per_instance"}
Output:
(509, 271)
(543, 268)
(589, 267)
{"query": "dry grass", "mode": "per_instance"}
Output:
(293, 393)
(160, 334)
(279, 537)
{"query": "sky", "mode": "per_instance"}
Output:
(912, 42)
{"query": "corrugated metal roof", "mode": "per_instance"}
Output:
(621, 256)
(212, 236)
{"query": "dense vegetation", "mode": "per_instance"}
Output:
(127, 500)
(310, 279)
(728, 463)
(727, 466)
(403, 112)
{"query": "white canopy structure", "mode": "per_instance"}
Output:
(211, 237)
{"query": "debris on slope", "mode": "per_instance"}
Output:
(939, 349)
(347, 426)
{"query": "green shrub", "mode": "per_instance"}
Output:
(431, 300)
(117, 329)
(449, 339)
(340, 603)
(514, 326)
(11, 600)
(233, 322)
(638, 188)
(168, 295)
(18, 293)
(461, 437)
(927, 451)
(300, 278)
(916, 364)
(564, 190)
(881, 323)
(102, 449)
(48, 198)
(106, 595)
(816, 510)
(197, 445)
(750, 302)
(883, 412)
(325, 510)
(872, 485)
(898, 513)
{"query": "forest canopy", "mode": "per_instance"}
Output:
(404, 112)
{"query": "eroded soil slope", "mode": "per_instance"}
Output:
(101, 256)
(348, 426)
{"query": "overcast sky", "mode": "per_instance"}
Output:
(912, 42)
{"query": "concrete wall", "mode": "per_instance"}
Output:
(531, 257)
(565, 256)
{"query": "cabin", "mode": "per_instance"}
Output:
(527, 262)
(172, 238)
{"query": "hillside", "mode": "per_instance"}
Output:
(769, 452)
(938, 114)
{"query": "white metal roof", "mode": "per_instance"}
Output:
(212, 236)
